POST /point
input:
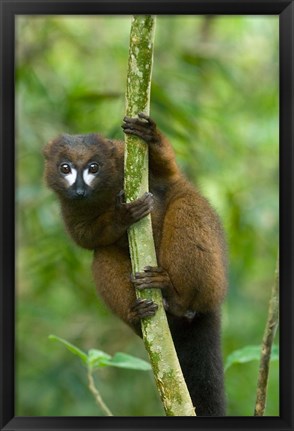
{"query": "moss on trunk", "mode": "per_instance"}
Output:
(156, 334)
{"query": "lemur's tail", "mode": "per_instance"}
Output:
(198, 347)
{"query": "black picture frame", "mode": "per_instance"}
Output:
(9, 9)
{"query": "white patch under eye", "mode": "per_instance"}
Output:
(71, 177)
(88, 177)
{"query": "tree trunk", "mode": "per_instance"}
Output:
(156, 335)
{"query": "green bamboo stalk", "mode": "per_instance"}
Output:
(156, 334)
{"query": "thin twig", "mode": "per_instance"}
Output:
(267, 342)
(96, 394)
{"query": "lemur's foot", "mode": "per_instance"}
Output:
(142, 308)
(153, 277)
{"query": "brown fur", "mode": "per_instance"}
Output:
(188, 236)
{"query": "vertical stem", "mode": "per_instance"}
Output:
(267, 342)
(156, 335)
(96, 393)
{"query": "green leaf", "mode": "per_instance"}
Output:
(97, 358)
(73, 349)
(247, 354)
(123, 360)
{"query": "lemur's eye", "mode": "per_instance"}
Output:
(65, 168)
(93, 168)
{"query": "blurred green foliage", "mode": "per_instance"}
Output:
(215, 95)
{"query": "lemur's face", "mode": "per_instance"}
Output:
(78, 177)
(78, 165)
